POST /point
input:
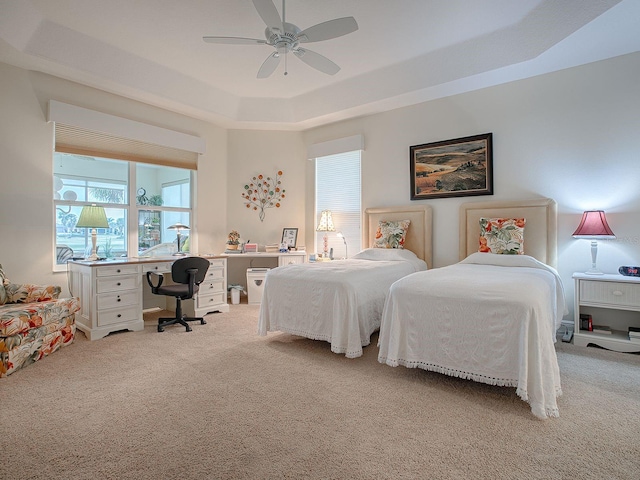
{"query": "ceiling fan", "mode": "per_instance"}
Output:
(286, 37)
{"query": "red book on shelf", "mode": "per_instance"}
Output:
(586, 323)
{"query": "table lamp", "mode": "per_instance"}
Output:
(178, 227)
(344, 239)
(325, 225)
(93, 217)
(593, 226)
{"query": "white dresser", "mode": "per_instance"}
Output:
(111, 292)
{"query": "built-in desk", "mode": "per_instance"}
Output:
(239, 262)
(111, 291)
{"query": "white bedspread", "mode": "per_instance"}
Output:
(490, 318)
(340, 302)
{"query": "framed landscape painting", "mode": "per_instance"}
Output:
(452, 168)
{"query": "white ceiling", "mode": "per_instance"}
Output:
(404, 52)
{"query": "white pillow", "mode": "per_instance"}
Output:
(386, 254)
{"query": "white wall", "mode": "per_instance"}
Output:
(570, 135)
(254, 152)
(26, 167)
(251, 153)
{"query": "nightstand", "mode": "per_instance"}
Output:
(612, 300)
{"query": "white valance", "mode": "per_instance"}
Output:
(84, 131)
(333, 147)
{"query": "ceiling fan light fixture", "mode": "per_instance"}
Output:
(286, 37)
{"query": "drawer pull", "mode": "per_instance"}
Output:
(119, 315)
(119, 299)
(617, 293)
(118, 284)
(118, 270)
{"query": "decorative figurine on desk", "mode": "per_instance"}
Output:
(233, 240)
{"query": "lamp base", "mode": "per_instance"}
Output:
(594, 272)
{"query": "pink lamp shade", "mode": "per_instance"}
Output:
(593, 225)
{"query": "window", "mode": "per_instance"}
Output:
(164, 193)
(338, 190)
(162, 198)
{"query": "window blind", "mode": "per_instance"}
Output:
(82, 131)
(338, 189)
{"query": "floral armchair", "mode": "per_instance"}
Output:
(33, 323)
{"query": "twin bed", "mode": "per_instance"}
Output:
(489, 318)
(341, 302)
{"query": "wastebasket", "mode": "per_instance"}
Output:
(255, 284)
(235, 296)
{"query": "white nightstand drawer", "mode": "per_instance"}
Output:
(610, 293)
(118, 315)
(116, 270)
(116, 284)
(113, 300)
(216, 299)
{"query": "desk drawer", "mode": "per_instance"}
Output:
(610, 293)
(209, 287)
(202, 301)
(163, 267)
(292, 260)
(116, 270)
(214, 273)
(118, 315)
(116, 284)
(113, 300)
(216, 263)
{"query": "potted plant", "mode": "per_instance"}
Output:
(233, 240)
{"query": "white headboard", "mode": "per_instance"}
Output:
(540, 231)
(418, 240)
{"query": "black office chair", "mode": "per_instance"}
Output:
(187, 273)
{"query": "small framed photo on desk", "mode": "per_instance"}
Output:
(289, 237)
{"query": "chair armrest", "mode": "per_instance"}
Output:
(192, 280)
(31, 293)
(159, 277)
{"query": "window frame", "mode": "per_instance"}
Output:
(130, 207)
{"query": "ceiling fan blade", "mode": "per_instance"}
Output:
(317, 61)
(269, 65)
(328, 30)
(234, 40)
(269, 13)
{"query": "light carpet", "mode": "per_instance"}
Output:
(222, 402)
